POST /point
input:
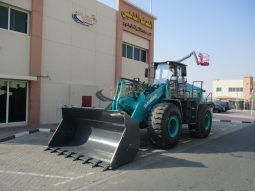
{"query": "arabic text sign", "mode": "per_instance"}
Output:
(136, 28)
(135, 17)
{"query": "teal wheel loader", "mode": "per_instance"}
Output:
(110, 137)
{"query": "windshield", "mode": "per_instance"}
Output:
(162, 74)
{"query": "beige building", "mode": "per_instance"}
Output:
(61, 52)
(238, 92)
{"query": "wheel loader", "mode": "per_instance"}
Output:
(110, 137)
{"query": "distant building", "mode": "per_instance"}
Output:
(239, 93)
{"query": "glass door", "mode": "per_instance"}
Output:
(13, 102)
(3, 101)
(17, 101)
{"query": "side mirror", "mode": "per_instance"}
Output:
(184, 72)
(146, 72)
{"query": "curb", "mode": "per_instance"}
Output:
(231, 121)
(23, 133)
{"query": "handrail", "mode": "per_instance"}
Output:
(210, 94)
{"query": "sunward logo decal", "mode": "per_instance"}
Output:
(150, 101)
(83, 19)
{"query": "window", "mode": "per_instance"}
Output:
(18, 21)
(129, 52)
(235, 89)
(137, 54)
(134, 52)
(143, 55)
(3, 17)
(218, 89)
(124, 50)
(239, 89)
(13, 19)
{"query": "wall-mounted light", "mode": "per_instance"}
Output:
(45, 76)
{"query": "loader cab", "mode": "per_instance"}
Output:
(170, 71)
(174, 75)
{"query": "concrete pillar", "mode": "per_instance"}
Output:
(35, 61)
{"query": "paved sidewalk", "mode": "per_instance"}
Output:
(237, 115)
(223, 161)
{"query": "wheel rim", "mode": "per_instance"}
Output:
(173, 126)
(207, 121)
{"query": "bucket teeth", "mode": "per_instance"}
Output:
(55, 150)
(77, 157)
(69, 154)
(106, 167)
(95, 163)
(86, 160)
(62, 152)
(48, 148)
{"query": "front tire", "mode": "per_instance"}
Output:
(164, 127)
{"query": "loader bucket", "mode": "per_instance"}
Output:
(102, 137)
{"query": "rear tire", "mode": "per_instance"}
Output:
(203, 125)
(164, 125)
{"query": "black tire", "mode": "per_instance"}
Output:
(203, 125)
(164, 125)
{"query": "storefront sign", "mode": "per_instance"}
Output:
(136, 28)
(135, 17)
(140, 24)
(83, 19)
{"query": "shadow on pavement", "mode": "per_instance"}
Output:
(171, 162)
(37, 138)
(157, 158)
(239, 141)
(233, 143)
(160, 161)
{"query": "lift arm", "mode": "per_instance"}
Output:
(201, 61)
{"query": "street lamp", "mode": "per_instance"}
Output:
(251, 102)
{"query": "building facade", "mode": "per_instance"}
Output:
(60, 53)
(238, 92)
